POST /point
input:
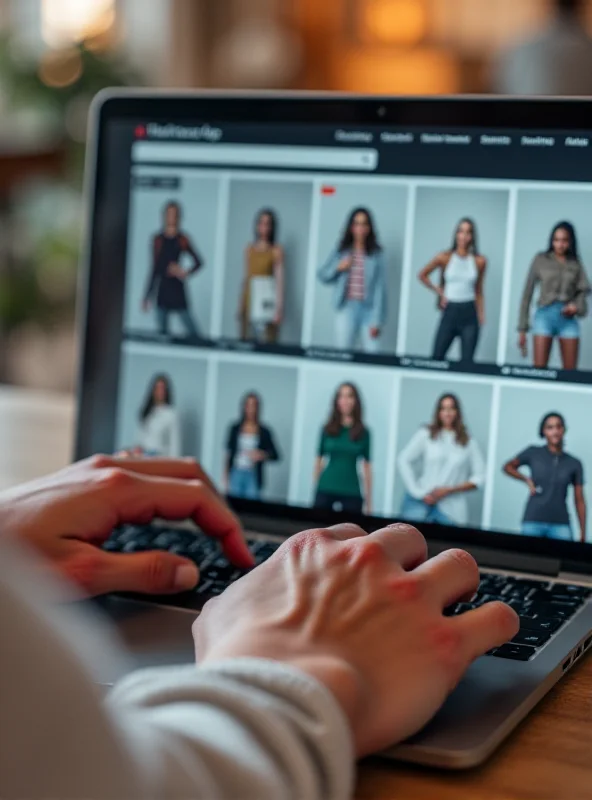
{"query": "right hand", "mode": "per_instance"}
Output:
(523, 344)
(345, 264)
(146, 305)
(531, 487)
(363, 615)
(443, 300)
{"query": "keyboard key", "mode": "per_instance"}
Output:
(543, 624)
(517, 652)
(531, 637)
(572, 590)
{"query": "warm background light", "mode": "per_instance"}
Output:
(60, 68)
(64, 22)
(392, 21)
(418, 71)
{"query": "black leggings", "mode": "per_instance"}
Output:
(339, 502)
(458, 319)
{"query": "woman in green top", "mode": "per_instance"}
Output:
(345, 440)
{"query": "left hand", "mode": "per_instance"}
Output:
(67, 517)
(569, 310)
(278, 318)
(436, 495)
(175, 271)
(257, 456)
(374, 333)
(481, 318)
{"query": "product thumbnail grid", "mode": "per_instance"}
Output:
(463, 450)
(472, 273)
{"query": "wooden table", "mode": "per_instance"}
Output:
(548, 758)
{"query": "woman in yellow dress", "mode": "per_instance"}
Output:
(261, 305)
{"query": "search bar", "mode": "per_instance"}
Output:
(255, 155)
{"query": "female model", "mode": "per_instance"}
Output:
(264, 261)
(460, 293)
(159, 431)
(441, 463)
(345, 441)
(167, 278)
(562, 298)
(551, 471)
(249, 446)
(357, 270)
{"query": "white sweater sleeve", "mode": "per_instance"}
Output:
(244, 728)
(477, 464)
(408, 458)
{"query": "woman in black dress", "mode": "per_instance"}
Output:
(167, 277)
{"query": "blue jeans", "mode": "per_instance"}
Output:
(354, 320)
(189, 324)
(414, 510)
(548, 530)
(243, 483)
(549, 321)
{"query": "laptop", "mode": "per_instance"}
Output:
(420, 348)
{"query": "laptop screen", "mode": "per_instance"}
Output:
(380, 320)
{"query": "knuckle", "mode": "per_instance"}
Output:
(156, 572)
(114, 478)
(367, 551)
(446, 643)
(99, 461)
(406, 587)
(82, 569)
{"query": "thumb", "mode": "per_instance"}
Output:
(152, 572)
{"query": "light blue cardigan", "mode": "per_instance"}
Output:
(374, 280)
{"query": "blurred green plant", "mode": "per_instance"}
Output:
(46, 99)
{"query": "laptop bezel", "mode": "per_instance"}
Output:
(304, 108)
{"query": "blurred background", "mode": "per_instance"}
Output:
(56, 54)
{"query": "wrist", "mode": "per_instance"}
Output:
(341, 679)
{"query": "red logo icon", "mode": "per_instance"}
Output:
(328, 189)
(140, 132)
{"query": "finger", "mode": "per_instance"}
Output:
(152, 572)
(182, 468)
(346, 530)
(491, 625)
(450, 576)
(403, 544)
(141, 498)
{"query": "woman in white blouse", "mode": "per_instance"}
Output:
(159, 432)
(439, 466)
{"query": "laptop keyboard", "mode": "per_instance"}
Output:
(543, 606)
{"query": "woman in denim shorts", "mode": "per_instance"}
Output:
(563, 289)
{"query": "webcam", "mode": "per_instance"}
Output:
(381, 111)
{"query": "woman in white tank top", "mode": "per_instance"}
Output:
(460, 293)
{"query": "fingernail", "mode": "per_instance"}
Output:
(186, 576)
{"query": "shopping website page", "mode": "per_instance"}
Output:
(388, 321)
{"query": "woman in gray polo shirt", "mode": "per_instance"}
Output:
(551, 471)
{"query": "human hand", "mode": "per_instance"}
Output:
(278, 318)
(67, 516)
(443, 300)
(569, 310)
(257, 456)
(374, 333)
(345, 264)
(481, 318)
(363, 614)
(531, 486)
(146, 305)
(523, 344)
(175, 271)
(439, 493)
(429, 499)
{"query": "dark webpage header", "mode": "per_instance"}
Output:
(479, 153)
